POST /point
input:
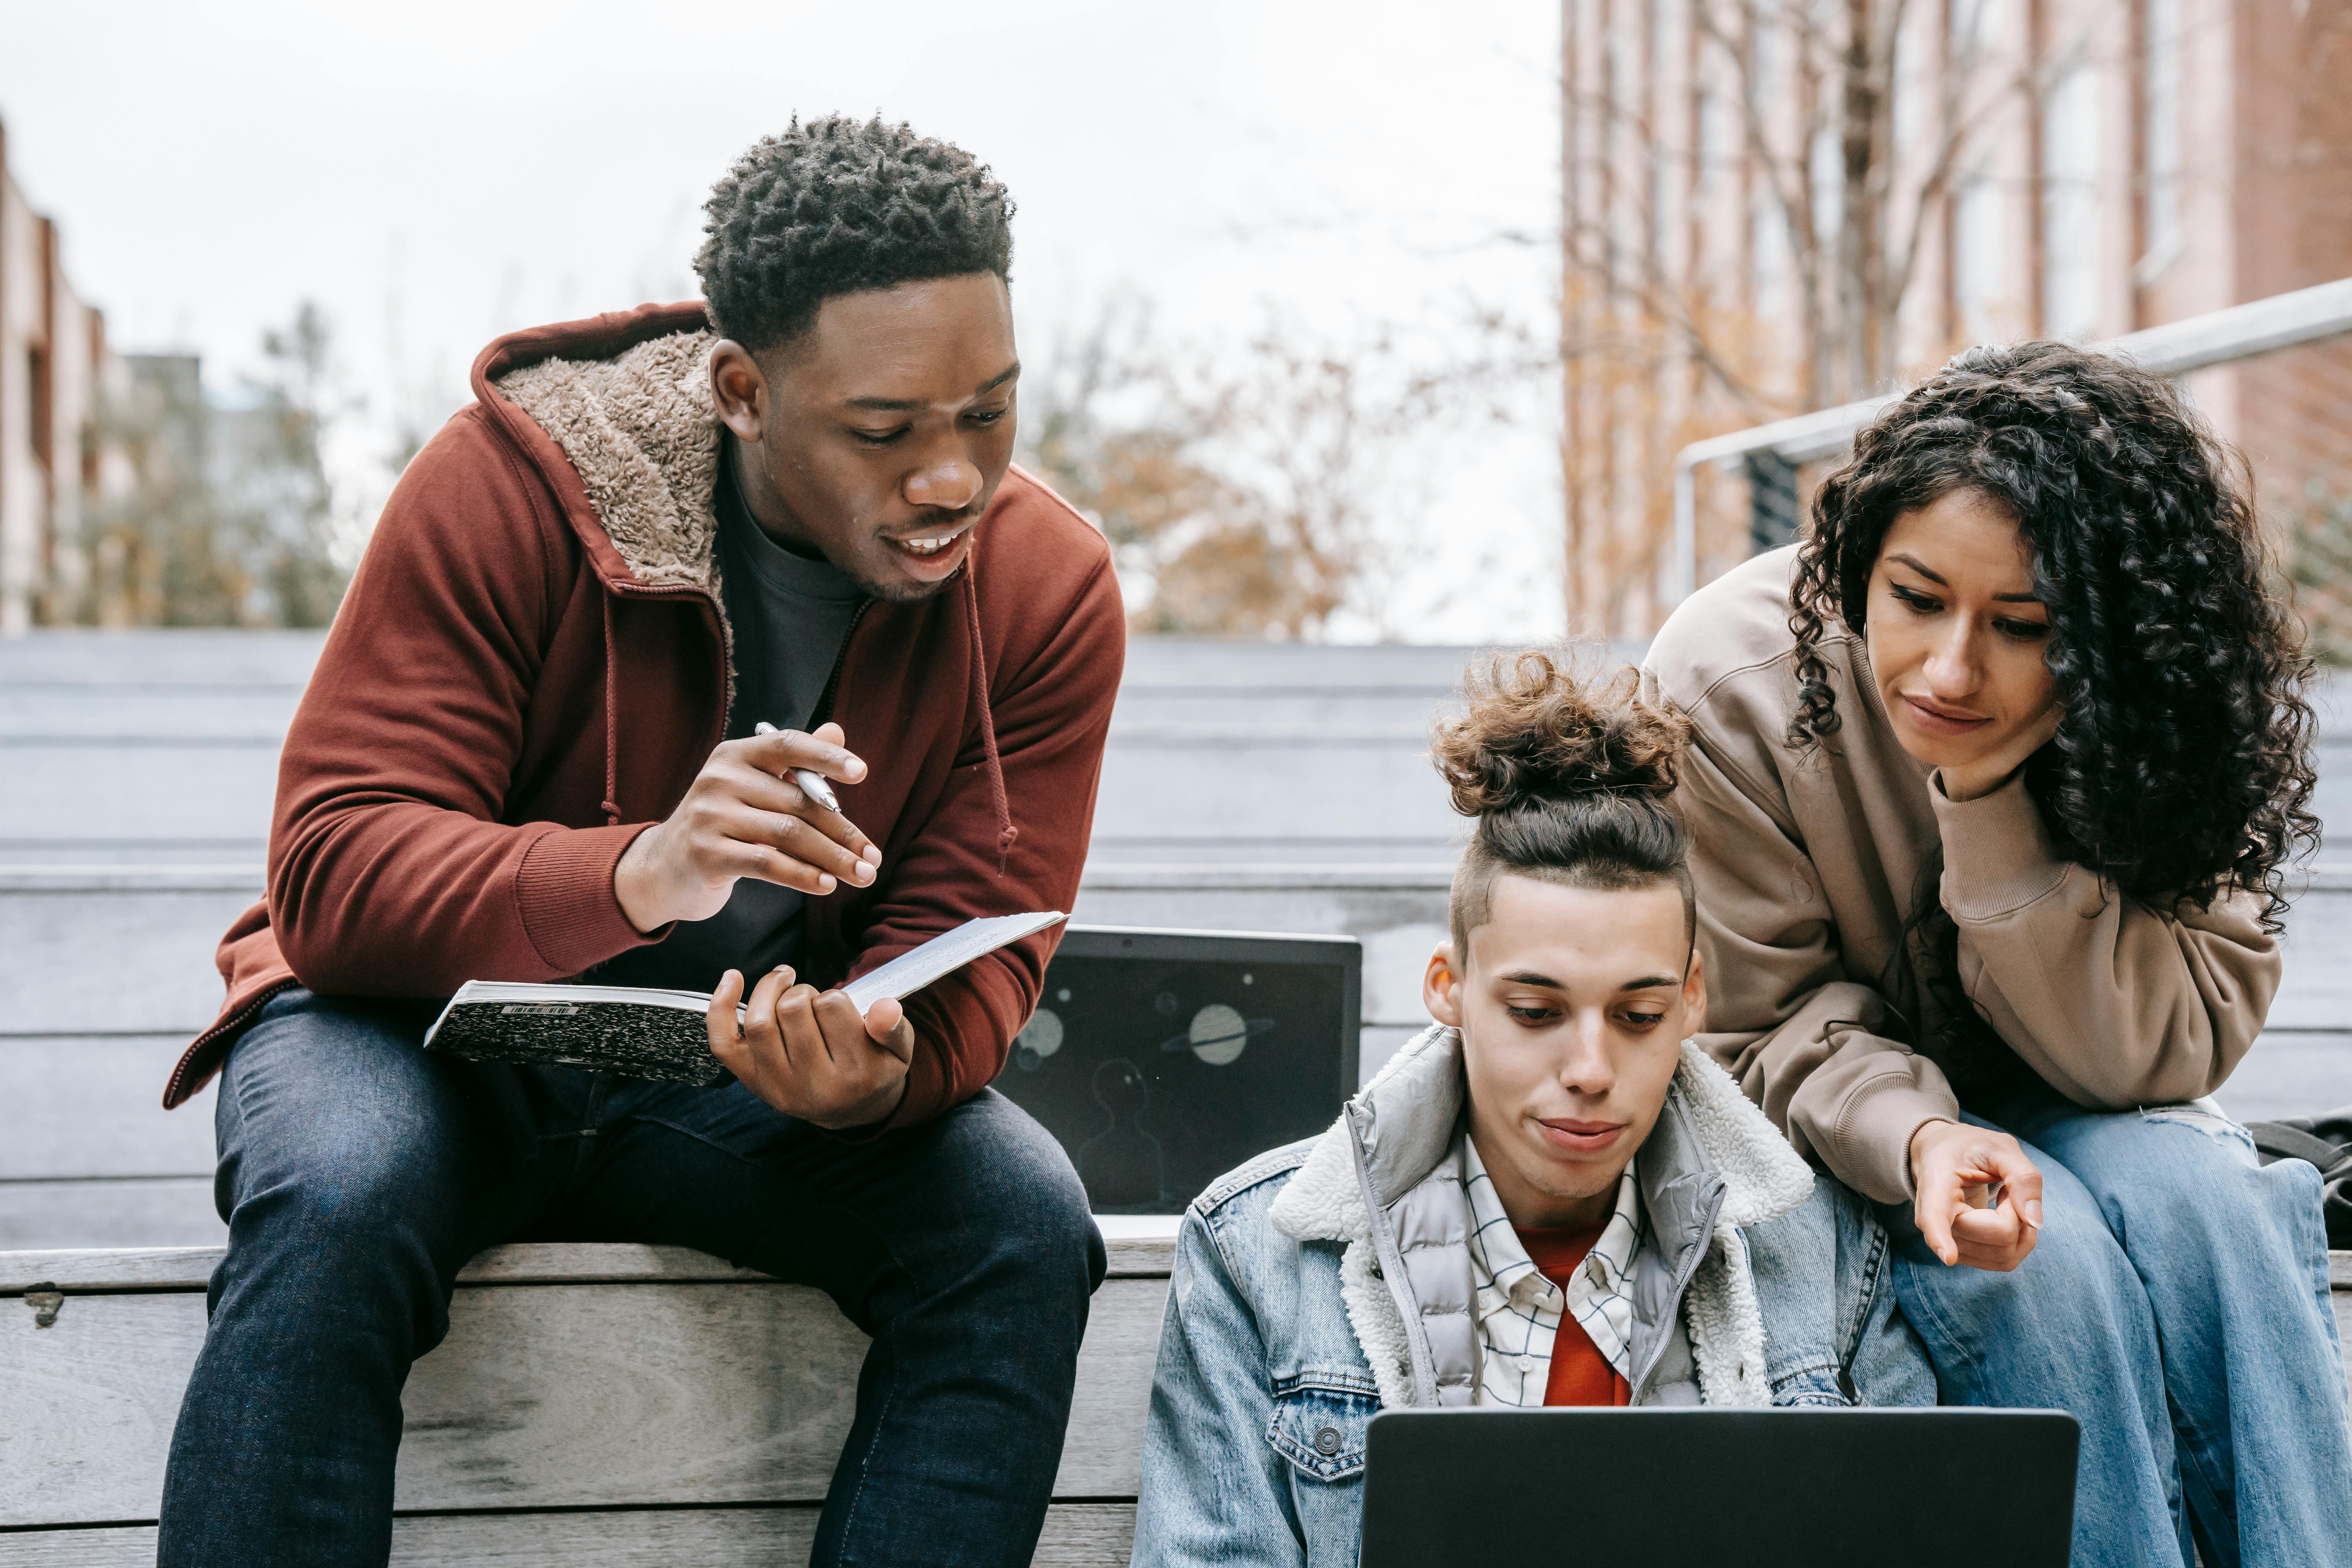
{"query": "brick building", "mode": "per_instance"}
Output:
(1755, 227)
(56, 371)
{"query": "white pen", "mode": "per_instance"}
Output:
(816, 786)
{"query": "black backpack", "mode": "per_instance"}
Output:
(2325, 1141)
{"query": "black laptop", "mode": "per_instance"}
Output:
(1164, 1058)
(1719, 1488)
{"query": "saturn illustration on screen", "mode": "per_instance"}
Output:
(1218, 1035)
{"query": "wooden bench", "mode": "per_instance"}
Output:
(615, 1405)
(594, 1405)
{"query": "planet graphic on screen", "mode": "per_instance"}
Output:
(1218, 1035)
(1038, 1038)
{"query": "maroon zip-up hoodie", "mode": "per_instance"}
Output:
(530, 666)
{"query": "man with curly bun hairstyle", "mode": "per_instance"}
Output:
(669, 560)
(1551, 1197)
(1994, 780)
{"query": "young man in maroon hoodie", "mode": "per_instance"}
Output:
(528, 752)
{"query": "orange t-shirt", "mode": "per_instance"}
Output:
(1581, 1374)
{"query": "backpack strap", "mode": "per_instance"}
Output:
(2281, 1141)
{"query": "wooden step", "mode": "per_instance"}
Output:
(594, 1405)
(128, 949)
(574, 1377)
(1077, 1535)
(108, 974)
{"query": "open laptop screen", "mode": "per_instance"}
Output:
(1161, 1059)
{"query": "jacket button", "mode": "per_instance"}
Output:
(1327, 1441)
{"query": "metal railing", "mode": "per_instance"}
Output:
(2199, 342)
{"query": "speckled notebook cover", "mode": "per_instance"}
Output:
(638, 1033)
(643, 1032)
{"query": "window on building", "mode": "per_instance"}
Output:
(1768, 247)
(37, 375)
(1979, 243)
(2070, 205)
(1907, 127)
(1718, 129)
(1972, 27)
(2160, 136)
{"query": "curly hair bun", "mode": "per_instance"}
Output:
(1535, 732)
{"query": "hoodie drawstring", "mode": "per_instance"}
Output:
(611, 720)
(1008, 833)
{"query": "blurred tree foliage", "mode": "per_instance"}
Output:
(1254, 493)
(226, 517)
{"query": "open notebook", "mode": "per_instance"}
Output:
(643, 1032)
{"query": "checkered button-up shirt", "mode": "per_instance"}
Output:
(1519, 1309)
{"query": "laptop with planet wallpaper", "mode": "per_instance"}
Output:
(1164, 1058)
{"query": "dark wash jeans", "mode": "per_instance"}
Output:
(359, 1173)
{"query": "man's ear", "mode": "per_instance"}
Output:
(1441, 987)
(1694, 994)
(739, 390)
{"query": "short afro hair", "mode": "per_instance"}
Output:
(833, 207)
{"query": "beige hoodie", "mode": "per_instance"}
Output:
(1806, 864)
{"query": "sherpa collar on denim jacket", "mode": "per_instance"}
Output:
(1387, 1180)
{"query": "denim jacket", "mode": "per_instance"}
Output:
(1322, 1280)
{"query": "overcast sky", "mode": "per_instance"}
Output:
(436, 174)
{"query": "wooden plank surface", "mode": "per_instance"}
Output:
(127, 1269)
(585, 1396)
(179, 657)
(2316, 992)
(144, 1211)
(1139, 1246)
(135, 959)
(99, 788)
(113, 962)
(1356, 787)
(92, 1105)
(2291, 1074)
(1076, 1535)
(140, 960)
(37, 713)
(88, 1106)
(612, 1394)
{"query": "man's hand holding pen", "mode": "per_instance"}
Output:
(744, 817)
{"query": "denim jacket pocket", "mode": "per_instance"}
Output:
(1319, 1426)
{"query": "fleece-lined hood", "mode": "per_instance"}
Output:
(1384, 1181)
(641, 433)
(530, 666)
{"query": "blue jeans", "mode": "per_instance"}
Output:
(2177, 1304)
(359, 1173)
(1834, 1332)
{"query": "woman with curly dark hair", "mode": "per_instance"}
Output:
(1994, 781)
